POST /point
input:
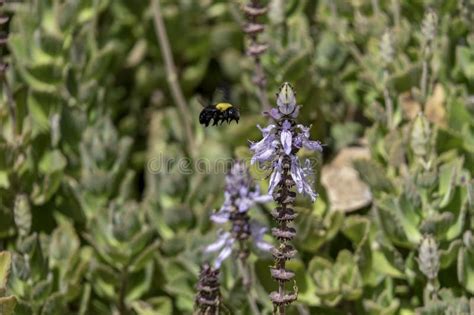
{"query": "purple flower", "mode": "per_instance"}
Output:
(302, 139)
(265, 148)
(277, 151)
(241, 194)
(286, 138)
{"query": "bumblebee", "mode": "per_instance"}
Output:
(219, 112)
(218, 108)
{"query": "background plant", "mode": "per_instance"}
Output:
(90, 230)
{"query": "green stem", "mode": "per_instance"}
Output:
(396, 13)
(11, 104)
(123, 291)
(172, 74)
(424, 77)
(388, 102)
(247, 281)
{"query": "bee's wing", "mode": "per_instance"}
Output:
(202, 101)
(222, 93)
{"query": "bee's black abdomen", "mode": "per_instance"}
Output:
(210, 113)
(233, 115)
(207, 114)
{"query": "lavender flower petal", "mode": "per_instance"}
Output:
(222, 239)
(224, 254)
(263, 245)
(263, 198)
(262, 144)
(258, 231)
(220, 217)
(286, 137)
(265, 153)
(313, 145)
(273, 113)
(308, 174)
(296, 112)
(275, 178)
(304, 131)
(267, 130)
(298, 141)
(244, 204)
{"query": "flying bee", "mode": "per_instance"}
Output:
(219, 112)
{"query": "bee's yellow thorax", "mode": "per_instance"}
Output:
(223, 106)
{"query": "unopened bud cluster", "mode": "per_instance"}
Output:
(428, 257)
(387, 51)
(253, 10)
(429, 26)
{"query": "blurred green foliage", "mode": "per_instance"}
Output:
(90, 225)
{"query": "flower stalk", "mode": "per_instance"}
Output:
(428, 31)
(253, 10)
(241, 194)
(208, 298)
(387, 53)
(277, 152)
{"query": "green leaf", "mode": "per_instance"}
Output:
(44, 77)
(356, 228)
(139, 283)
(5, 263)
(42, 290)
(450, 254)
(437, 224)
(338, 281)
(64, 243)
(154, 306)
(465, 59)
(45, 189)
(458, 115)
(466, 269)
(50, 43)
(7, 305)
(97, 67)
(313, 232)
(144, 257)
(52, 161)
(374, 175)
(54, 305)
(297, 66)
(459, 208)
(448, 174)
(398, 227)
(385, 266)
(40, 106)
